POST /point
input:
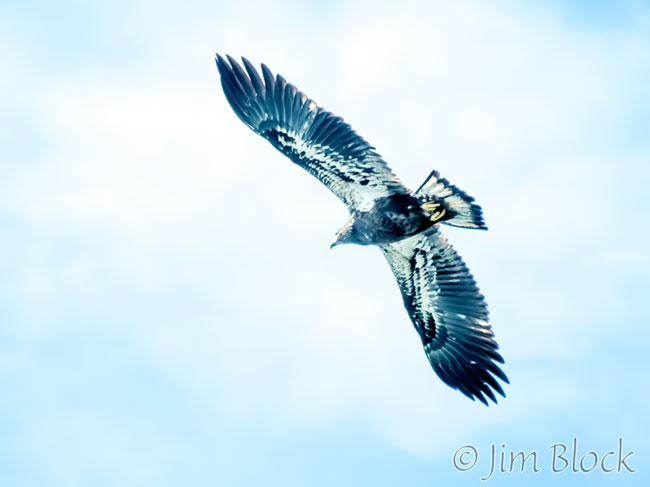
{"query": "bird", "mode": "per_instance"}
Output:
(440, 294)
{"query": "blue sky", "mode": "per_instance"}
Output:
(170, 312)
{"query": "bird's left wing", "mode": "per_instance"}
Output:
(315, 139)
(448, 312)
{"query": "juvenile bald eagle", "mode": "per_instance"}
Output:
(440, 294)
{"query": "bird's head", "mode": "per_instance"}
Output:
(346, 234)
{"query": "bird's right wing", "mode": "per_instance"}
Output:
(315, 139)
(448, 312)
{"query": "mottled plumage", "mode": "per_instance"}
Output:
(440, 295)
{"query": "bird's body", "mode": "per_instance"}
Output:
(440, 295)
(390, 219)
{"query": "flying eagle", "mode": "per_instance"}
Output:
(440, 294)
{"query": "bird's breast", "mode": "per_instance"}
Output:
(392, 218)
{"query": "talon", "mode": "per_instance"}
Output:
(437, 215)
(430, 206)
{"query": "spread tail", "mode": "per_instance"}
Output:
(458, 206)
